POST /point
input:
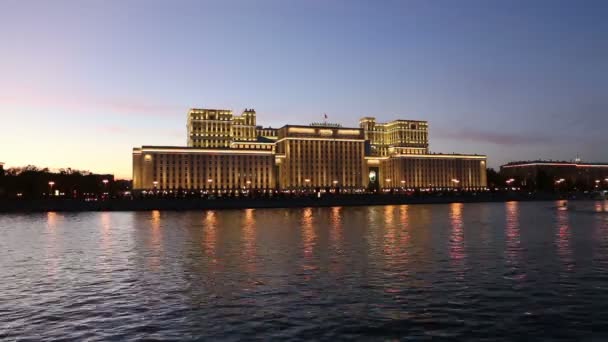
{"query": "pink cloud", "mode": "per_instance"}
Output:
(494, 137)
(27, 97)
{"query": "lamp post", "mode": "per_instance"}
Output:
(155, 185)
(105, 185)
(456, 182)
(388, 183)
(558, 182)
(509, 181)
(402, 185)
(248, 182)
(307, 181)
(51, 183)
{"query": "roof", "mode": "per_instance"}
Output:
(529, 163)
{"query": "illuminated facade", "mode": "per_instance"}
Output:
(173, 168)
(228, 152)
(320, 157)
(219, 128)
(556, 174)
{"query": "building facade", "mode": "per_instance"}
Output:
(320, 157)
(189, 168)
(545, 175)
(227, 152)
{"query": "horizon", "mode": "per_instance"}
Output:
(83, 84)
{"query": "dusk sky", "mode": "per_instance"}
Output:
(83, 82)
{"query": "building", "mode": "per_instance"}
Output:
(1, 169)
(320, 156)
(187, 168)
(546, 175)
(399, 157)
(219, 128)
(229, 153)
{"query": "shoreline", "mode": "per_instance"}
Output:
(185, 204)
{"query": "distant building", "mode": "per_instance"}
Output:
(1, 169)
(547, 174)
(227, 152)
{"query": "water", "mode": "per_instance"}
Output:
(492, 271)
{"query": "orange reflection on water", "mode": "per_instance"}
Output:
(389, 215)
(210, 234)
(512, 233)
(106, 234)
(405, 224)
(562, 239)
(457, 252)
(335, 232)
(390, 235)
(155, 241)
(51, 219)
(249, 239)
(335, 238)
(601, 206)
(308, 232)
(52, 255)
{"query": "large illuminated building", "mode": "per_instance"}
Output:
(228, 153)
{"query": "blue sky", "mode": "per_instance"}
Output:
(82, 82)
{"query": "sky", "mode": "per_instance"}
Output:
(83, 82)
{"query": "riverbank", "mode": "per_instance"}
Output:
(146, 204)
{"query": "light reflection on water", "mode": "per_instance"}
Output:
(457, 250)
(535, 270)
(562, 239)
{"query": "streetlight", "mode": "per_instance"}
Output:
(558, 182)
(388, 181)
(307, 181)
(105, 185)
(51, 183)
(509, 181)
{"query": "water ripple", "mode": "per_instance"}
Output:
(512, 271)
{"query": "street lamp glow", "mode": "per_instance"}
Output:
(455, 180)
(335, 182)
(105, 181)
(402, 182)
(209, 180)
(248, 182)
(51, 183)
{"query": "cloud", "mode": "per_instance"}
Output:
(494, 137)
(130, 106)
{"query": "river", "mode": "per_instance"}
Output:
(515, 270)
